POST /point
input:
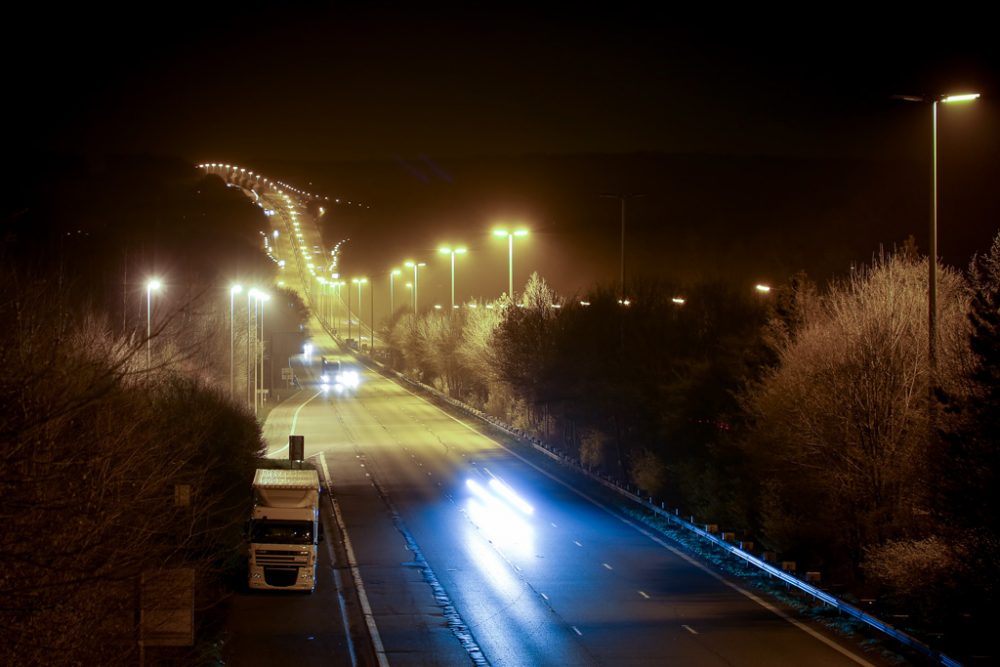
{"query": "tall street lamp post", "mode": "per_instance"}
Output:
(152, 285)
(251, 327)
(621, 197)
(932, 237)
(510, 255)
(233, 291)
(359, 282)
(259, 376)
(392, 292)
(445, 250)
(415, 266)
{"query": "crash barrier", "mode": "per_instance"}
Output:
(633, 493)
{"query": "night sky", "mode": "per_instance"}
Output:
(765, 143)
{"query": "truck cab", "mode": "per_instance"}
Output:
(284, 530)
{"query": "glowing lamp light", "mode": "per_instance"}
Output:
(763, 289)
(680, 301)
(964, 97)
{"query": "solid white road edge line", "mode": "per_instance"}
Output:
(763, 603)
(366, 607)
(295, 419)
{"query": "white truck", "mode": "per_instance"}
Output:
(284, 530)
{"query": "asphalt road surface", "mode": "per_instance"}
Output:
(470, 551)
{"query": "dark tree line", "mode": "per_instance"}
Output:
(112, 467)
(800, 419)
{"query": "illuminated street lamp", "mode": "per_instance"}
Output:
(415, 266)
(233, 291)
(762, 289)
(932, 240)
(257, 313)
(445, 250)
(262, 298)
(359, 282)
(510, 255)
(251, 294)
(152, 285)
(392, 293)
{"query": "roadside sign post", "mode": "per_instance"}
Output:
(296, 448)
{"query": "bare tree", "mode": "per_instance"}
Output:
(843, 439)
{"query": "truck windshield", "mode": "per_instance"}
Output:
(282, 532)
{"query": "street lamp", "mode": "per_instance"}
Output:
(415, 266)
(340, 301)
(258, 299)
(510, 255)
(392, 293)
(251, 356)
(152, 285)
(359, 282)
(762, 288)
(932, 240)
(932, 243)
(233, 291)
(262, 298)
(321, 301)
(622, 198)
(445, 250)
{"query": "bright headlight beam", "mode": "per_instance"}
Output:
(508, 494)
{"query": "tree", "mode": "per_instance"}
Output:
(842, 440)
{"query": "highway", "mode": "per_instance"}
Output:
(570, 583)
(473, 550)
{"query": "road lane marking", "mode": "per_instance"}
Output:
(644, 594)
(341, 602)
(295, 419)
(690, 629)
(366, 608)
(739, 589)
(607, 566)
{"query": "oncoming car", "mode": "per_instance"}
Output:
(339, 379)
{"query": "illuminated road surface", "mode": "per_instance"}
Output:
(566, 584)
(457, 573)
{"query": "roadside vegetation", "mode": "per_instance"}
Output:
(116, 467)
(806, 421)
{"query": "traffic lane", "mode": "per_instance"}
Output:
(266, 628)
(409, 621)
(512, 624)
(636, 573)
(724, 614)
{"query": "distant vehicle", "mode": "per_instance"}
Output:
(329, 370)
(284, 530)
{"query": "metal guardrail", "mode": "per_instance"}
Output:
(824, 597)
